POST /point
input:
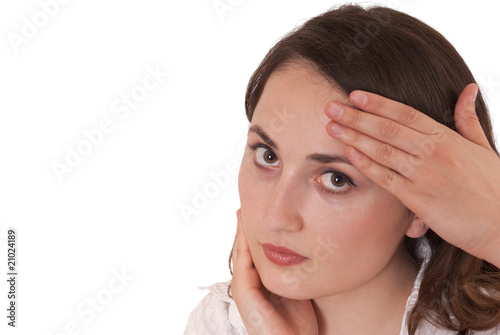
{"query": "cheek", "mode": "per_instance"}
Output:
(363, 227)
(251, 193)
(362, 211)
(254, 185)
(245, 184)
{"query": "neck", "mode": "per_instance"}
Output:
(377, 307)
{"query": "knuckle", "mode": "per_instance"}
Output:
(408, 115)
(384, 152)
(388, 178)
(389, 129)
(416, 160)
(355, 118)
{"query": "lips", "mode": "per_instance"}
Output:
(282, 256)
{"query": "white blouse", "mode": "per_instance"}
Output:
(217, 313)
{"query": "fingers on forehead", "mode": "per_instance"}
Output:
(397, 112)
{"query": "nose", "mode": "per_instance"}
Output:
(282, 210)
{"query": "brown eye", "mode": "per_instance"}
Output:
(266, 157)
(338, 180)
(270, 157)
(335, 182)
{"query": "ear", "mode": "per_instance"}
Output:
(417, 228)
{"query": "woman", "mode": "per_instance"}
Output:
(362, 210)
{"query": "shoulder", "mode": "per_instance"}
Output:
(215, 314)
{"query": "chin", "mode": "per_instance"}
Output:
(287, 284)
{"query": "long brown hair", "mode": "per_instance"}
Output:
(390, 53)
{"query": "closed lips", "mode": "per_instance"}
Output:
(282, 256)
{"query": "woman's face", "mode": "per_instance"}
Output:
(298, 191)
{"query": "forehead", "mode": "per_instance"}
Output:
(292, 103)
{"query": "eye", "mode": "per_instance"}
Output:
(265, 156)
(335, 182)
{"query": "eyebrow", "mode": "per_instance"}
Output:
(325, 159)
(321, 158)
(258, 130)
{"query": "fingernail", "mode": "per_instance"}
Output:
(335, 111)
(353, 153)
(358, 98)
(474, 96)
(336, 128)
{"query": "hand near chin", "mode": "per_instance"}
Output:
(450, 180)
(262, 311)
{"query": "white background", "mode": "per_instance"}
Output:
(118, 210)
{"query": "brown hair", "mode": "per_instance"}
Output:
(390, 53)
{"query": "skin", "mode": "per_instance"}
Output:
(356, 262)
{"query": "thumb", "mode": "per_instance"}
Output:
(239, 232)
(238, 217)
(466, 120)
